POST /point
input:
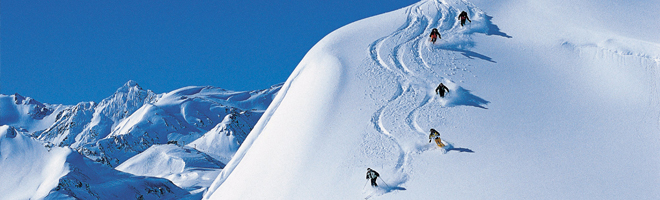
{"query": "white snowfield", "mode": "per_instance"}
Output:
(30, 169)
(186, 167)
(538, 108)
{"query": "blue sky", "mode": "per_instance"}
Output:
(69, 51)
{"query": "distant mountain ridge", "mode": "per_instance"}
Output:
(132, 119)
(27, 114)
(198, 128)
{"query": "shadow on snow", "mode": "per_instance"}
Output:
(450, 147)
(463, 97)
(493, 29)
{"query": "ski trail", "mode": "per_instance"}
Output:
(405, 38)
(378, 50)
(376, 118)
(408, 55)
(375, 56)
(411, 119)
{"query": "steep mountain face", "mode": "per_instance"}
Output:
(124, 102)
(538, 108)
(88, 122)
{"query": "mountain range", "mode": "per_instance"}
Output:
(194, 124)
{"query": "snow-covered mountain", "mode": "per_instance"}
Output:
(25, 113)
(120, 128)
(543, 103)
(133, 119)
(32, 170)
(186, 167)
(540, 106)
(88, 122)
(223, 140)
(178, 117)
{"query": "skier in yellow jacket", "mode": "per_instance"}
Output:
(436, 136)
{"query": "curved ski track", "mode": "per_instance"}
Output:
(401, 53)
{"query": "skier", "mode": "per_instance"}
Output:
(441, 89)
(436, 136)
(373, 175)
(435, 35)
(463, 16)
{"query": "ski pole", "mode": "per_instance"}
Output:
(385, 183)
(365, 184)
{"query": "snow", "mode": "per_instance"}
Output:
(92, 180)
(547, 100)
(32, 169)
(186, 167)
(133, 119)
(225, 138)
(29, 169)
(538, 108)
(119, 129)
(26, 113)
(181, 116)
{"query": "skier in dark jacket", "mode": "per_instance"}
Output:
(373, 175)
(463, 16)
(441, 89)
(435, 35)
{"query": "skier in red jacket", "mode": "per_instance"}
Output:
(434, 35)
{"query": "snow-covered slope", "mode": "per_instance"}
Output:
(25, 113)
(29, 169)
(223, 140)
(186, 167)
(545, 110)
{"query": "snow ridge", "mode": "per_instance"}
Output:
(401, 61)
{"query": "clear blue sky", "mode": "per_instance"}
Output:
(69, 51)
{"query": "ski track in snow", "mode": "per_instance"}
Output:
(413, 77)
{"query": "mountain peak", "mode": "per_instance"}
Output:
(18, 99)
(131, 83)
(128, 86)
